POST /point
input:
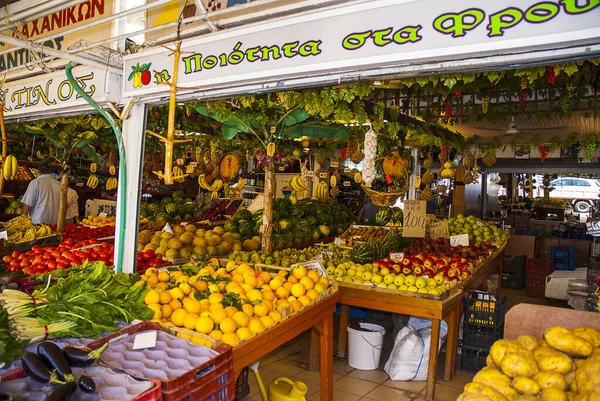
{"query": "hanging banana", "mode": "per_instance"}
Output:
(92, 181)
(112, 170)
(10, 167)
(93, 167)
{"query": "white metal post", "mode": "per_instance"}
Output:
(133, 139)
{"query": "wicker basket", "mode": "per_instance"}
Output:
(384, 198)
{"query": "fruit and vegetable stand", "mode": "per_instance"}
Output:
(448, 309)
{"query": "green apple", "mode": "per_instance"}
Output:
(388, 278)
(403, 287)
(384, 271)
(439, 278)
(421, 282)
(433, 291)
(376, 278)
(348, 279)
(357, 280)
(330, 269)
(412, 288)
(392, 286)
(432, 283)
(351, 272)
(399, 280)
(382, 285)
(423, 291)
(360, 268)
(366, 276)
(339, 272)
(410, 280)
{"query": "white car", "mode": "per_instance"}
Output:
(580, 191)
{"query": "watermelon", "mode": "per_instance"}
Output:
(383, 216)
(397, 215)
(242, 214)
(324, 230)
(231, 227)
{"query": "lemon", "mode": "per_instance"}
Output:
(218, 315)
(313, 275)
(248, 310)
(304, 300)
(176, 293)
(193, 280)
(214, 307)
(205, 313)
(307, 283)
(312, 294)
(261, 310)
(254, 295)
(153, 280)
(163, 276)
(201, 285)
(157, 310)
(320, 287)
(298, 290)
(192, 305)
(213, 288)
(268, 295)
(230, 311)
(238, 278)
(152, 297)
(275, 316)
(167, 311)
(230, 339)
(215, 298)
(275, 283)
(251, 281)
(175, 304)
(178, 316)
(282, 293)
(228, 325)
(243, 333)
(241, 319)
(189, 321)
(255, 325)
(165, 297)
(216, 334)
(161, 287)
(185, 287)
(199, 341)
(324, 281)
(151, 271)
(185, 336)
(267, 321)
(204, 325)
(296, 305)
(300, 271)
(232, 286)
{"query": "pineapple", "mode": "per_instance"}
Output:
(427, 178)
(469, 160)
(428, 163)
(489, 158)
(426, 194)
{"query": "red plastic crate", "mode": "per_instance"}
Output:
(211, 381)
(154, 394)
(538, 269)
(535, 287)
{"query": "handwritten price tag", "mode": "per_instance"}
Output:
(334, 164)
(338, 242)
(4, 234)
(397, 256)
(347, 170)
(457, 240)
(167, 229)
(281, 168)
(103, 214)
(315, 265)
(346, 183)
(439, 230)
(414, 219)
(322, 175)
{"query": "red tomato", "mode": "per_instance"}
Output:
(38, 259)
(148, 254)
(25, 263)
(15, 254)
(61, 265)
(36, 248)
(6, 259)
(52, 264)
(47, 257)
(62, 260)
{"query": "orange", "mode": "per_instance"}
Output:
(312, 294)
(201, 285)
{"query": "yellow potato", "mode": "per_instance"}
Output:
(526, 397)
(553, 394)
(542, 343)
(497, 380)
(556, 362)
(593, 334)
(550, 380)
(569, 377)
(501, 348)
(563, 340)
(473, 397)
(592, 395)
(490, 362)
(525, 385)
(587, 376)
(571, 396)
(518, 365)
(528, 342)
(478, 388)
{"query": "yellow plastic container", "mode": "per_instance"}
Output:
(281, 389)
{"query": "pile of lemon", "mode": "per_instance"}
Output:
(265, 300)
(98, 221)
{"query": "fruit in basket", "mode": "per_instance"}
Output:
(98, 221)
(477, 229)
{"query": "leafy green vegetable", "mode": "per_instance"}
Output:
(10, 348)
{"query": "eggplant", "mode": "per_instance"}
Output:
(52, 355)
(86, 384)
(35, 367)
(6, 397)
(63, 392)
(80, 358)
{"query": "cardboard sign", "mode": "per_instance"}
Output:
(414, 219)
(315, 265)
(347, 183)
(462, 239)
(167, 229)
(339, 242)
(103, 214)
(257, 204)
(439, 230)
(397, 256)
(334, 164)
(183, 223)
(145, 340)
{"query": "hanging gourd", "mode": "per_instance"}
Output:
(447, 171)
(230, 166)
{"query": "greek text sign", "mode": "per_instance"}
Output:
(376, 33)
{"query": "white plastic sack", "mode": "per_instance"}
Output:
(409, 359)
(420, 323)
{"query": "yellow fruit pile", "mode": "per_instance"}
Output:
(564, 366)
(187, 241)
(98, 221)
(203, 302)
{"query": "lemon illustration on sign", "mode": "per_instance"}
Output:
(205, 325)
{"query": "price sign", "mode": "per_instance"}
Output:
(439, 230)
(167, 229)
(183, 223)
(145, 340)
(194, 164)
(310, 173)
(457, 240)
(347, 183)
(103, 214)
(338, 242)
(322, 175)
(397, 256)
(414, 219)
(281, 168)
(179, 162)
(4, 234)
(315, 265)
(334, 164)
(79, 184)
(347, 169)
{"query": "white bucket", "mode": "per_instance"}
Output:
(364, 347)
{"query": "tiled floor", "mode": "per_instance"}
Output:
(291, 360)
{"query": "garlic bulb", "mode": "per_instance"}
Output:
(370, 152)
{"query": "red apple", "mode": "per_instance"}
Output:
(463, 276)
(430, 273)
(453, 272)
(407, 270)
(406, 260)
(454, 264)
(396, 268)
(428, 262)
(443, 270)
(417, 270)
(420, 256)
(440, 263)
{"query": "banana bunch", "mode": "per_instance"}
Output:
(18, 223)
(240, 184)
(43, 230)
(178, 174)
(322, 191)
(298, 184)
(10, 167)
(217, 185)
(189, 169)
(112, 169)
(93, 167)
(214, 195)
(392, 223)
(111, 184)
(92, 181)
(203, 183)
(30, 234)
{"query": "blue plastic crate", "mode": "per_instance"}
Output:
(564, 264)
(562, 252)
(358, 313)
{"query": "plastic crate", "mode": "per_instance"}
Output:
(242, 388)
(475, 335)
(209, 381)
(473, 359)
(535, 287)
(538, 269)
(562, 251)
(564, 264)
(513, 280)
(485, 309)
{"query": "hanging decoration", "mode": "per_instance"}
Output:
(368, 174)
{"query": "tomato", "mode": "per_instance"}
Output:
(61, 265)
(62, 260)
(95, 255)
(6, 259)
(39, 259)
(148, 254)
(36, 248)
(47, 257)
(52, 264)
(21, 256)
(15, 254)
(25, 263)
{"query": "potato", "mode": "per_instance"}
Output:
(497, 380)
(550, 379)
(543, 344)
(553, 394)
(555, 362)
(592, 335)
(490, 362)
(569, 377)
(501, 348)
(528, 342)
(518, 364)
(563, 340)
(473, 397)
(592, 395)
(478, 388)
(526, 397)
(525, 385)
(571, 396)
(587, 376)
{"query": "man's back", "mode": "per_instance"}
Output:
(43, 195)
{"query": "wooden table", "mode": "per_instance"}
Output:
(449, 310)
(319, 318)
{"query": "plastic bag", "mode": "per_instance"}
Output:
(420, 323)
(409, 359)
